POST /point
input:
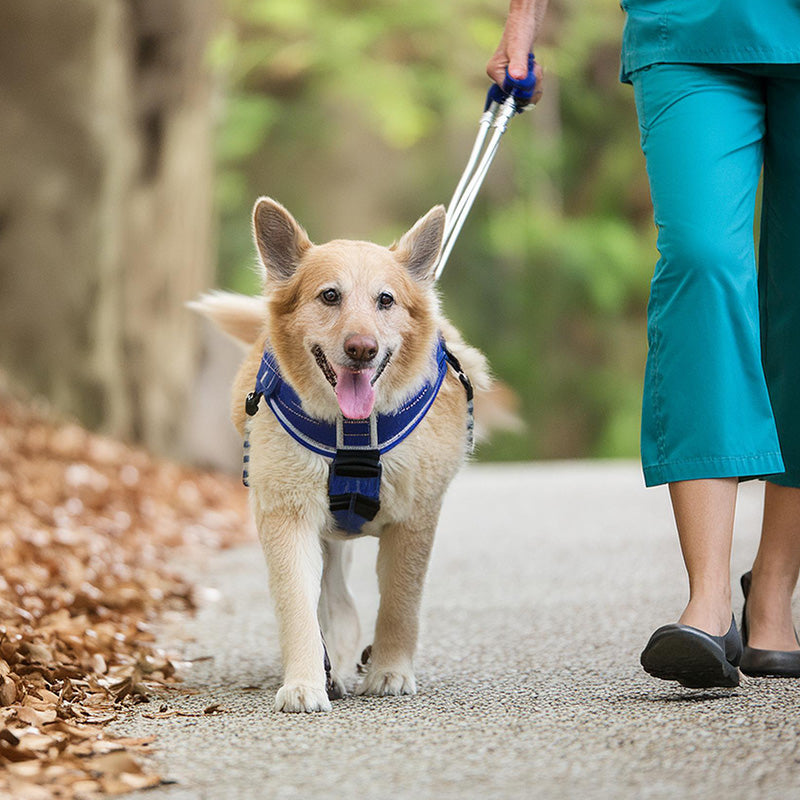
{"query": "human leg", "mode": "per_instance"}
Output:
(777, 563)
(706, 413)
(779, 265)
(775, 571)
(704, 648)
(704, 512)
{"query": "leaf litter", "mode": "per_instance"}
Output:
(92, 537)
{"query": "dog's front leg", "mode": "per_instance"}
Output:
(337, 612)
(294, 559)
(403, 556)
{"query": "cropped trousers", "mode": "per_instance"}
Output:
(722, 381)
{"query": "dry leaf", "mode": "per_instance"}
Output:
(34, 717)
(30, 791)
(8, 692)
(9, 736)
(38, 653)
(36, 741)
(86, 788)
(114, 763)
(134, 781)
(28, 767)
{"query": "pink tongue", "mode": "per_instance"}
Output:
(355, 393)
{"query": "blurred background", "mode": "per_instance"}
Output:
(136, 134)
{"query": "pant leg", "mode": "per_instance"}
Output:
(706, 410)
(779, 264)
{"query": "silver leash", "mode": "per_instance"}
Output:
(501, 107)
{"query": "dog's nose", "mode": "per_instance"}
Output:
(361, 348)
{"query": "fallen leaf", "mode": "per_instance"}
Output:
(9, 736)
(30, 791)
(38, 653)
(33, 717)
(27, 767)
(138, 780)
(36, 742)
(8, 692)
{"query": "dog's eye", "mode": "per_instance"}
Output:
(385, 300)
(330, 296)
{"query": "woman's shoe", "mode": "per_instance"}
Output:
(692, 657)
(765, 663)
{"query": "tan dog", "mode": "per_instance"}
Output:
(353, 328)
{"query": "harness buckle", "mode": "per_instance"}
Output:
(354, 487)
(357, 463)
(358, 504)
(251, 403)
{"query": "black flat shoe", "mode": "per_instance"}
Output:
(692, 657)
(765, 663)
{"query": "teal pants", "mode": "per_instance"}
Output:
(722, 382)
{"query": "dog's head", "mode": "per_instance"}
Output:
(352, 324)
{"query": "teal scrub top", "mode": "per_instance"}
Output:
(709, 32)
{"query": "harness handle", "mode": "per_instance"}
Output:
(521, 89)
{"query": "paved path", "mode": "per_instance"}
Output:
(546, 581)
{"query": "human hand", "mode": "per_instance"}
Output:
(524, 18)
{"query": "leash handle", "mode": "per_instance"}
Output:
(520, 89)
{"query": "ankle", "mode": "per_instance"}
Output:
(768, 624)
(710, 615)
(772, 579)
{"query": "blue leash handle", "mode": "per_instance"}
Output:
(520, 90)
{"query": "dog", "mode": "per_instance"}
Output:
(353, 332)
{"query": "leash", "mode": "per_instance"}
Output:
(501, 106)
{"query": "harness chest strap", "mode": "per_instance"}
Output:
(354, 446)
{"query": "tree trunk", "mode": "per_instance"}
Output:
(105, 206)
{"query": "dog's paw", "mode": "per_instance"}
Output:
(336, 689)
(383, 682)
(296, 697)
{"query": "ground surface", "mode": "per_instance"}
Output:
(545, 583)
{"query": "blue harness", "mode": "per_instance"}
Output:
(355, 446)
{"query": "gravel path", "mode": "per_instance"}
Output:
(545, 583)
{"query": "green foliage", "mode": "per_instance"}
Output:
(359, 116)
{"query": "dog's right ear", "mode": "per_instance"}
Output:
(281, 242)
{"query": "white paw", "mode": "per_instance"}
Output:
(382, 682)
(296, 697)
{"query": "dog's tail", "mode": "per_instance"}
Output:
(496, 404)
(496, 409)
(240, 316)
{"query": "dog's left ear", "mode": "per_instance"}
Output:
(419, 248)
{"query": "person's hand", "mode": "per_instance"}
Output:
(520, 30)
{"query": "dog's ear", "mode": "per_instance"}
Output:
(419, 248)
(281, 242)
